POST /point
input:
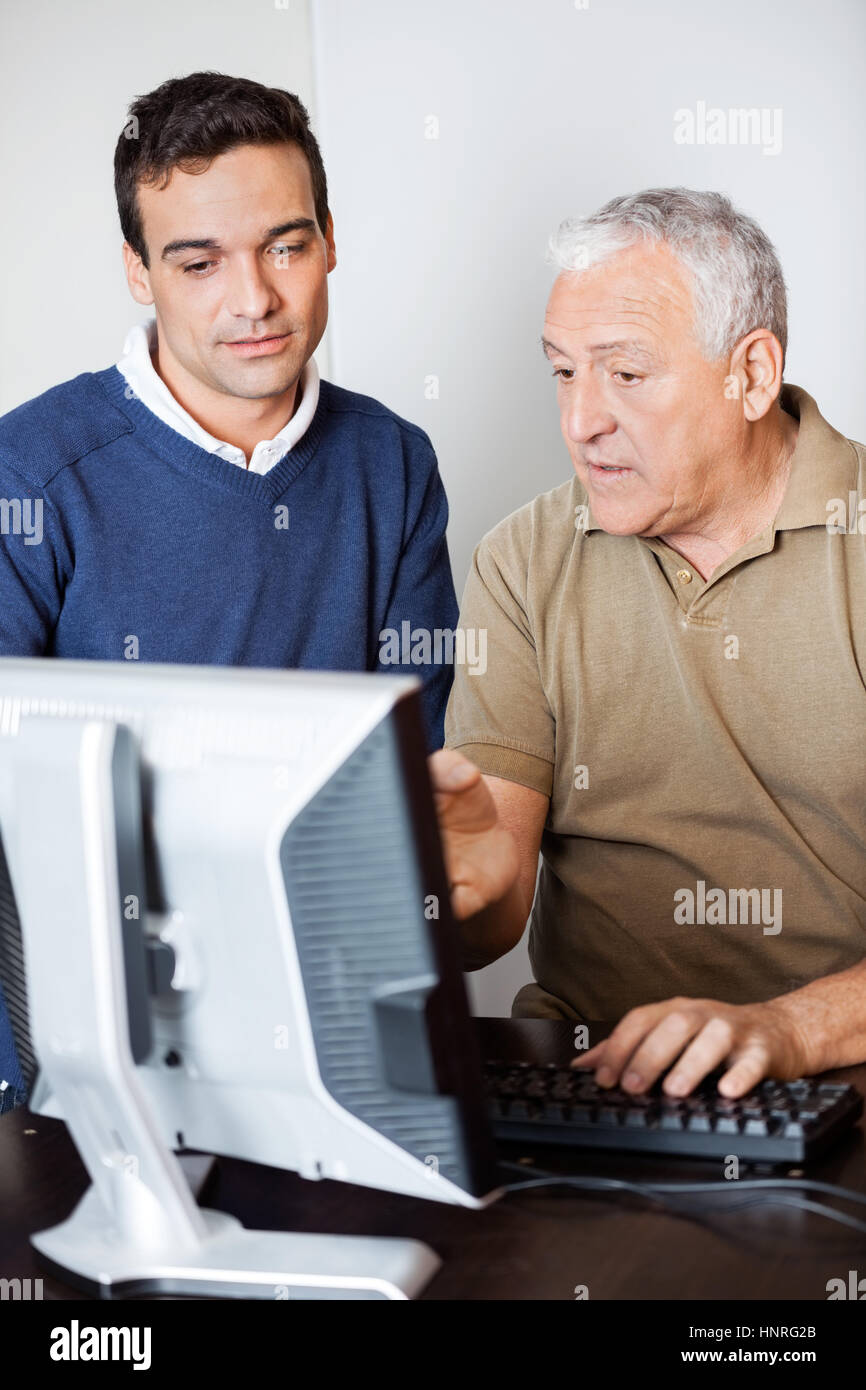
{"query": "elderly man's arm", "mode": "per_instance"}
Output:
(813, 1029)
(491, 835)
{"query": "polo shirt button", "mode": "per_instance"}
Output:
(684, 576)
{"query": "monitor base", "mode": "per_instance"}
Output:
(232, 1262)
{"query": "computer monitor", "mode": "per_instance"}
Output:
(236, 939)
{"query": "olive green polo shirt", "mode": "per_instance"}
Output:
(702, 742)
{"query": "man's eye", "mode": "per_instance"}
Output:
(197, 268)
(564, 373)
(632, 376)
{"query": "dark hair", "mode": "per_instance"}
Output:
(187, 121)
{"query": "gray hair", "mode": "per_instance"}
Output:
(738, 282)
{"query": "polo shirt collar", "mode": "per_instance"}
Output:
(823, 467)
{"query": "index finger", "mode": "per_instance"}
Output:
(626, 1036)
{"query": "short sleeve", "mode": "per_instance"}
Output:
(498, 715)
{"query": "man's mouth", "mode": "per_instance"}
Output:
(258, 347)
(610, 470)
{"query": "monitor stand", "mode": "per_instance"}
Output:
(99, 1254)
(138, 1229)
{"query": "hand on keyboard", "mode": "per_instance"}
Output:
(693, 1037)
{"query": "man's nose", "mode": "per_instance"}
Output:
(587, 414)
(250, 294)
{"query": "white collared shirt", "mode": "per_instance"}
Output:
(136, 365)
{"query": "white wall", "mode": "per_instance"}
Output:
(68, 72)
(546, 110)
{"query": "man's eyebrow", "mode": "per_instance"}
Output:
(626, 345)
(176, 248)
(629, 345)
(548, 347)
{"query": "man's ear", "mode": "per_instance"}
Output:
(329, 242)
(756, 362)
(137, 275)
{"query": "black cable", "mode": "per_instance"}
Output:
(725, 1184)
(712, 1185)
(656, 1191)
(603, 1185)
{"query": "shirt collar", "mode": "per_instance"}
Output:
(824, 467)
(136, 365)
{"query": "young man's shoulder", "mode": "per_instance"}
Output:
(58, 427)
(342, 402)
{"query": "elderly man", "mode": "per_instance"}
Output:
(673, 710)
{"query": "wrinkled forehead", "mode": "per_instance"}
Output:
(641, 290)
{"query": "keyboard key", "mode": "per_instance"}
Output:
(808, 1117)
(699, 1123)
(637, 1119)
(522, 1110)
(756, 1126)
(609, 1114)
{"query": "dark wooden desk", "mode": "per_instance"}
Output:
(534, 1245)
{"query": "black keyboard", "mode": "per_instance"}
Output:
(777, 1122)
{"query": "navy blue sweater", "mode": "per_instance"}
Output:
(124, 540)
